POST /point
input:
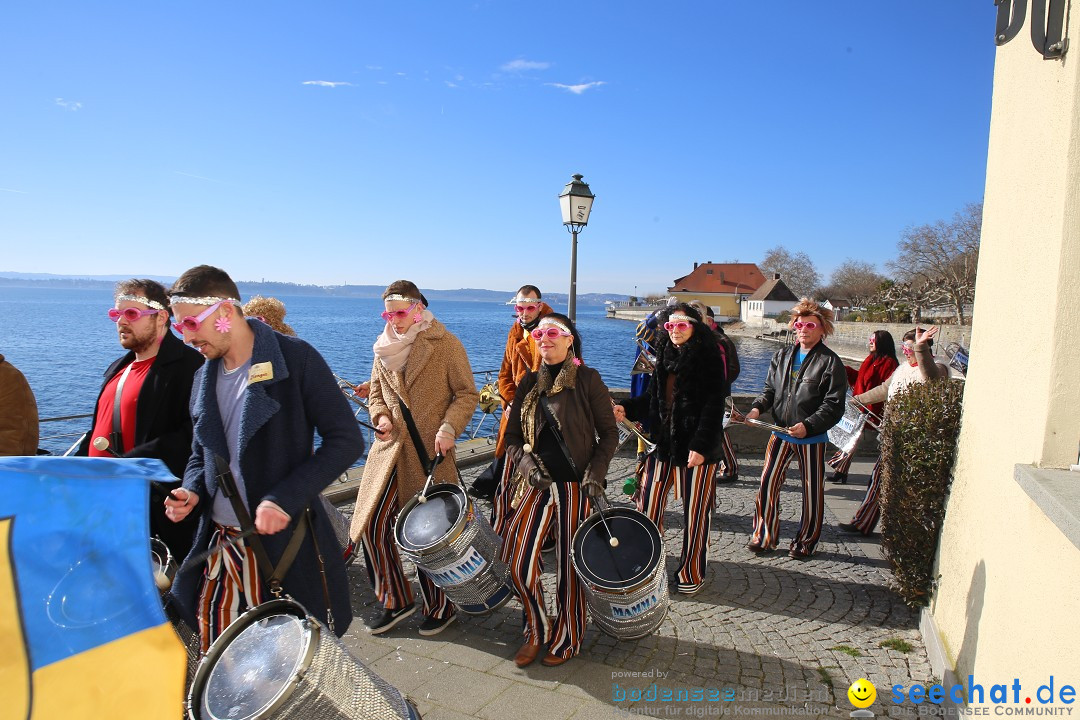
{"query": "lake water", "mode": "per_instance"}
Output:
(62, 341)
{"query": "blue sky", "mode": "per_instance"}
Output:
(362, 142)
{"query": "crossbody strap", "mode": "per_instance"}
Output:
(558, 435)
(273, 574)
(421, 451)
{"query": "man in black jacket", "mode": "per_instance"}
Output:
(150, 418)
(805, 390)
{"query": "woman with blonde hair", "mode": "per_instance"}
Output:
(271, 311)
(421, 375)
(806, 390)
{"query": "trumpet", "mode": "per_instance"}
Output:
(645, 364)
(871, 416)
(349, 390)
(628, 428)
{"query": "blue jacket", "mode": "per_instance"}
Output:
(277, 425)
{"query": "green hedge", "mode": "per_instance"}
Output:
(918, 450)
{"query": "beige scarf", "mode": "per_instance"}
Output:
(393, 349)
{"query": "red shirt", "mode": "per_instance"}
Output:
(103, 422)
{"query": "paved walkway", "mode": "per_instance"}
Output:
(767, 634)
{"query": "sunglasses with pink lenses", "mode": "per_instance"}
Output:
(192, 324)
(681, 326)
(519, 309)
(391, 315)
(130, 314)
(800, 325)
(550, 332)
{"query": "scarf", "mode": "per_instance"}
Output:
(546, 387)
(393, 349)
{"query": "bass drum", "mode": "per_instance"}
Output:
(625, 586)
(276, 661)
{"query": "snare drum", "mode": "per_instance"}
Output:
(456, 547)
(277, 661)
(162, 563)
(625, 586)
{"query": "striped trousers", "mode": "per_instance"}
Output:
(564, 506)
(384, 567)
(866, 517)
(730, 462)
(501, 511)
(840, 462)
(778, 454)
(698, 492)
(230, 586)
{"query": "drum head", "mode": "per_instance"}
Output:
(640, 549)
(250, 671)
(422, 525)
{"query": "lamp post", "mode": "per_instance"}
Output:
(576, 203)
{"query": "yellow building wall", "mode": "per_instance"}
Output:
(1008, 603)
(721, 304)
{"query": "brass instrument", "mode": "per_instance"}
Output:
(645, 364)
(628, 428)
(349, 390)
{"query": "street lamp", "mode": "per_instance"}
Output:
(576, 202)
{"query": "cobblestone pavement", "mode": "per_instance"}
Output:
(768, 634)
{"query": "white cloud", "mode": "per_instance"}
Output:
(450, 84)
(197, 177)
(373, 67)
(520, 65)
(21, 192)
(68, 104)
(325, 83)
(578, 89)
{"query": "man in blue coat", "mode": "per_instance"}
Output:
(256, 404)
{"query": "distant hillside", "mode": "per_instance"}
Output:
(286, 289)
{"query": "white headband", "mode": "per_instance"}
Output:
(402, 298)
(680, 316)
(140, 299)
(556, 323)
(522, 300)
(207, 300)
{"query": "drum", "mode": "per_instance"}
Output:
(625, 586)
(162, 563)
(277, 661)
(340, 524)
(456, 547)
(845, 433)
(189, 637)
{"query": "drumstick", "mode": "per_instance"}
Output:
(612, 540)
(197, 560)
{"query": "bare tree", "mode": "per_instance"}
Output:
(855, 280)
(796, 270)
(942, 258)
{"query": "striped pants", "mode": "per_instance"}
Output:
(778, 454)
(866, 517)
(840, 462)
(501, 511)
(565, 507)
(230, 586)
(698, 492)
(383, 562)
(730, 462)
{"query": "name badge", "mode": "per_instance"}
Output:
(260, 372)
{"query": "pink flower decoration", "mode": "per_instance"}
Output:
(222, 325)
(577, 361)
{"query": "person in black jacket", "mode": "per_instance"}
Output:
(805, 390)
(685, 408)
(155, 378)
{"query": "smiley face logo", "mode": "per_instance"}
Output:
(862, 693)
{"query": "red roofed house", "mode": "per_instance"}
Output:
(771, 299)
(721, 286)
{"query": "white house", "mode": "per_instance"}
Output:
(768, 301)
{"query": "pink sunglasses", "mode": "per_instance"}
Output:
(391, 315)
(192, 324)
(681, 326)
(800, 325)
(551, 332)
(130, 314)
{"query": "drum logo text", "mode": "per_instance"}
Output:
(625, 612)
(460, 570)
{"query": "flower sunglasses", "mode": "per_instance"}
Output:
(130, 314)
(391, 315)
(193, 324)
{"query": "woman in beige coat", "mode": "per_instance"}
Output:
(418, 362)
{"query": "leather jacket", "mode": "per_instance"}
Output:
(815, 398)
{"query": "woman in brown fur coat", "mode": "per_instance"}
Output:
(418, 362)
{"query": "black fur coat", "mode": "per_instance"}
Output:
(695, 420)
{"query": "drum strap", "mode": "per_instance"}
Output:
(322, 571)
(117, 439)
(558, 435)
(272, 574)
(421, 451)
